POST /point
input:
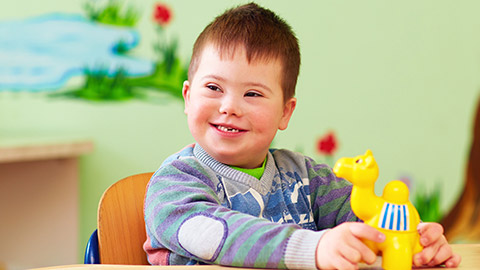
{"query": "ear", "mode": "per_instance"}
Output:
(186, 94)
(369, 159)
(288, 109)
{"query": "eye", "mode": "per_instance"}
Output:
(253, 94)
(213, 87)
(359, 161)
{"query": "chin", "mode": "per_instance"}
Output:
(227, 158)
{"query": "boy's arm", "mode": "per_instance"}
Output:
(183, 214)
(330, 196)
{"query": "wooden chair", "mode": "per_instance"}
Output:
(121, 227)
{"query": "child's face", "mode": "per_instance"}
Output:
(234, 108)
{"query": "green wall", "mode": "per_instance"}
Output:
(398, 77)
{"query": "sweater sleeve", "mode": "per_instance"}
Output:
(183, 214)
(330, 196)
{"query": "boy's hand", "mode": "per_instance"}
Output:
(436, 248)
(341, 247)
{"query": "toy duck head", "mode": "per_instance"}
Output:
(360, 170)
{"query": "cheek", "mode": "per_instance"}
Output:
(196, 116)
(266, 121)
(197, 104)
(200, 111)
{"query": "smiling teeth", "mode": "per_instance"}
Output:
(225, 129)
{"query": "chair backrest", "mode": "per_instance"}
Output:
(121, 227)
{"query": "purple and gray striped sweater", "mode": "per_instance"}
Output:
(200, 210)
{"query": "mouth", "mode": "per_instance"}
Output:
(228, 129)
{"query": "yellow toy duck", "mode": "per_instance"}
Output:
(392, 214)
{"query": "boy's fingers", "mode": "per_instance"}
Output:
(453, 261)
(429, 232)
(364, 231)
(425, 256)
(342, 263)
(436, 255)
(365, 253)
(338, 260)
(351, 254)
(442, 255)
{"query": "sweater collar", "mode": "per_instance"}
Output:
(263, 185)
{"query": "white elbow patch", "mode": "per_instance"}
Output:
(202, 236)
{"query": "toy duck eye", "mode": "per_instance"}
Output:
(358, 161)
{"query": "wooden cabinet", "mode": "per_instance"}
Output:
(39, 201)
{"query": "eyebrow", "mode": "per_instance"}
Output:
(220, 78)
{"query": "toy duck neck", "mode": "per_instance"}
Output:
(364, 202)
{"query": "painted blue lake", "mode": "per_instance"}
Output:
(43, 53)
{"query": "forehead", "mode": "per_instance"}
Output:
(236, 59)
(238, 55)
(229, 51)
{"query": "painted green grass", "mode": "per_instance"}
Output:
(167, 77)
(114, 13)
(102, 85)
(99, 85)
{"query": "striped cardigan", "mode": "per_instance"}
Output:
(200, 210)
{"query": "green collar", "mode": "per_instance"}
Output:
(256, 172)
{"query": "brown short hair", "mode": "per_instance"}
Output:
(264, 36)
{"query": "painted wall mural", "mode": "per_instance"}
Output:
(41, 54)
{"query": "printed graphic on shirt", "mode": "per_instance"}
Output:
(286, 204)
(394, 217)
(247, 203)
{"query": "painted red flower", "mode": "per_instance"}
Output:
(327, 145)
(162, 14)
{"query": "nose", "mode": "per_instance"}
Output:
(231, 105)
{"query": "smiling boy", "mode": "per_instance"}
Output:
(235, 107)
(229, 199)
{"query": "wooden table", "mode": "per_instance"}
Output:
(470, 260)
